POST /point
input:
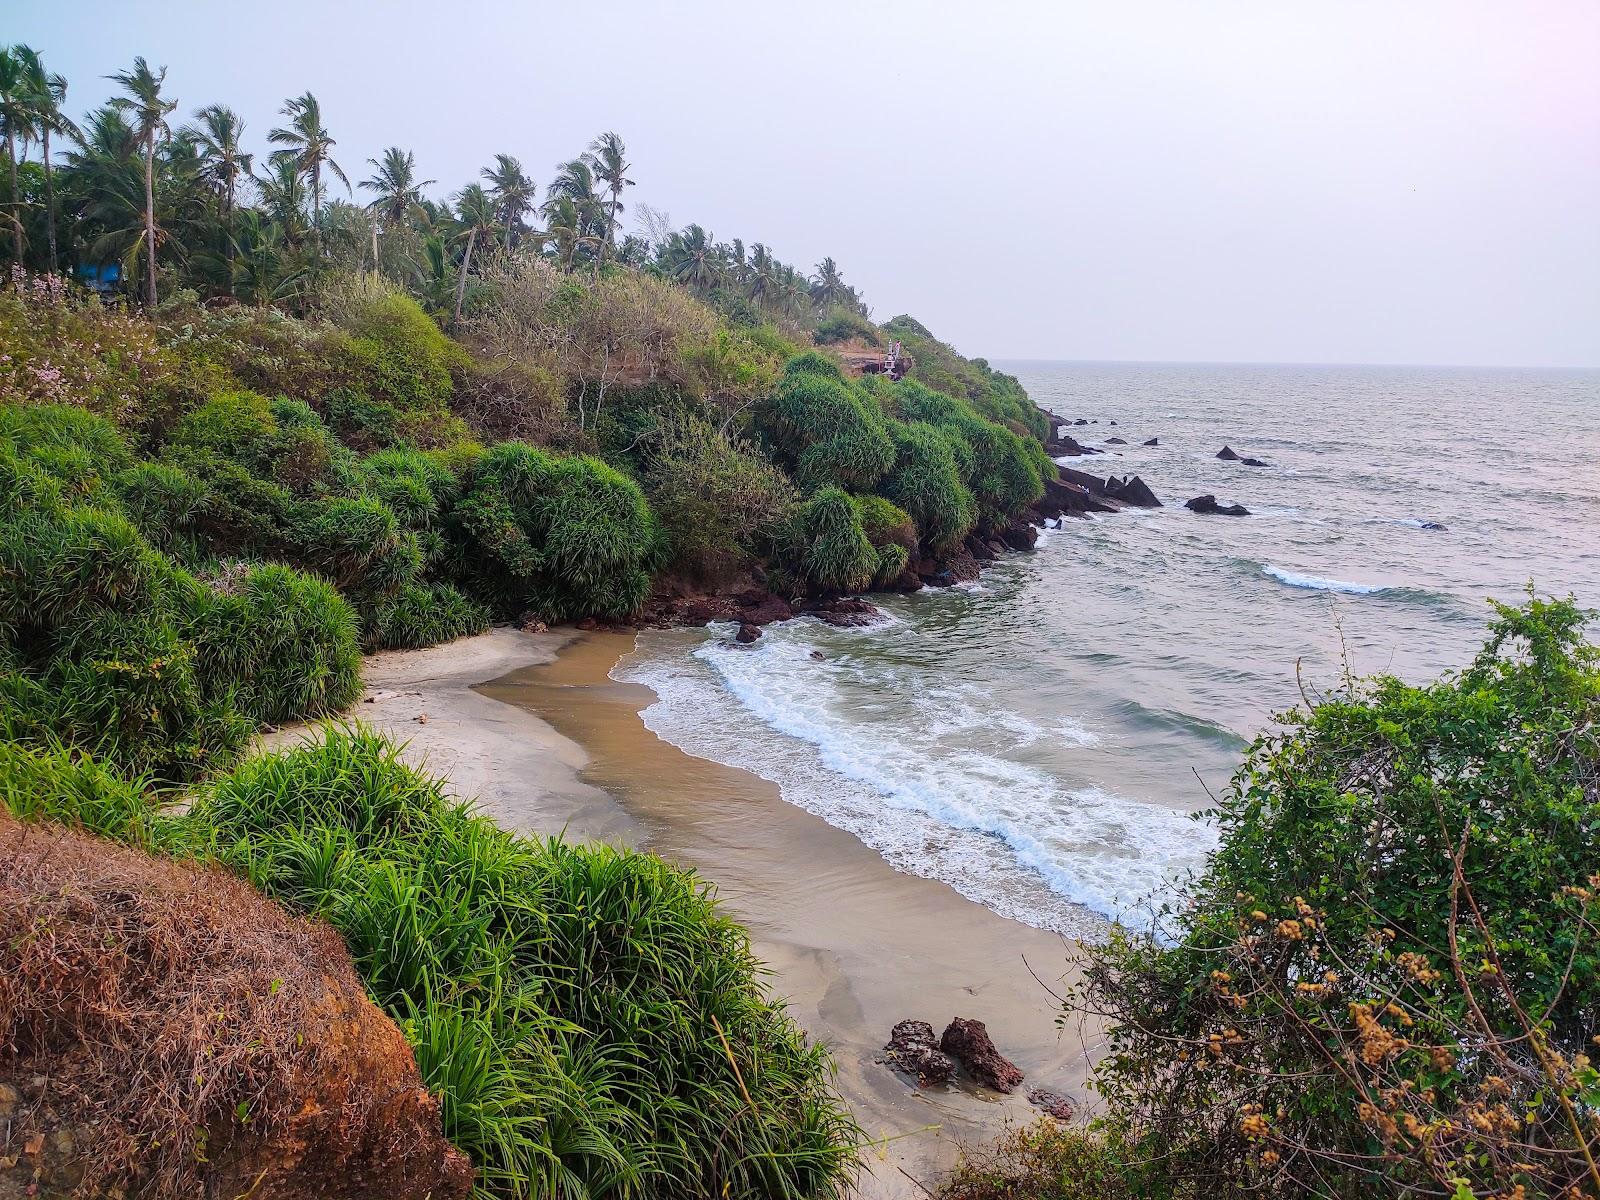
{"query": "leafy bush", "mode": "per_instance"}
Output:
(828, 428)
(591, 1024)
(397, 352)
(1045, 1161)
(565, 536)
(719, 502)
(421, 614)
(992, 394)
(841, 325)
(1388, 977)
(282, 642)
(829, 545)
(925, 481)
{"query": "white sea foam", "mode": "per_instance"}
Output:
(1319, 584)
(930, 774)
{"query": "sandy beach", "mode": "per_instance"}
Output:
(533, 727)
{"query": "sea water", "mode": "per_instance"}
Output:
(1042, 740)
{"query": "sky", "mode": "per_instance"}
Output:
(1394, 181)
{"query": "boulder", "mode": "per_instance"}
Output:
(1132, 490)
(1111, 422)
(1254, 462)
(1054, 1103)
(968, 1040)
(911, 1049)
(1152, 442)
(747, 634)
(116, 972)
(1067, 447)
(759, 607)
(1115, 441)
(995, 547)
(1208, 505)
(1432, 525)
(1019, 535)
(1081, 421)
(1227, 454)
(979, 549)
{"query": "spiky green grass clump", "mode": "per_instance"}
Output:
(831, 431)
(566, 536)
(829, 544)
(592, 1024)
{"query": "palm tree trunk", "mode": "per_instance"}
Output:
(316, 210)
(16, 199)
(150, 220)
(461, 284)
(375, 245)
(509, 220)
(50, 201)
(228, 250)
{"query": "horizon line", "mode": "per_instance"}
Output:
(1287, 362)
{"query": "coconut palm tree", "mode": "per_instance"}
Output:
(147, 111)
(46, 94)
(283, 199)
(16, 115)
(308, 145)
(513, 191)
(395, 188)
(690, 258)
(607, 158)
(828, 286)
(477, 215)
(223, 163)
(574, 185)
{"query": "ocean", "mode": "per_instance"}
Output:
(1042, 740)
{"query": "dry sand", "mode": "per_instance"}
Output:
(533, 727)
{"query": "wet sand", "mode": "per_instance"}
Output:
(853, 945)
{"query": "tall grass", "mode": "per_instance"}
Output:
(592, 1024)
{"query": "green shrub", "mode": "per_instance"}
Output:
(925, 481)
(841, 325)
(421, 614)
(1046, 1161)
(565, 536)
(282, 643)
(164, 502)
(1004, 472)
(398, 353)
(719, 502)
(826, 427)
(830, 546)
(238, 426)
(1388, 977)
(590, 1022)
(76, 448)
(50, 782)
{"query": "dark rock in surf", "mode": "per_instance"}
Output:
(1019, 535)
(757, 607)
(1152, 442)
(1433, 525)
(1254, 462)
(1054, 1103)
(1227, 454)
(1132, 490)
(1207, 505)
(1081, 421)
(911, 1049)
(1115, 441)
(968, 1040)
(747, 634)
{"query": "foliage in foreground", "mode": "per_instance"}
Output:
(1388, 978)
(1043, 1161)
(591, 1024)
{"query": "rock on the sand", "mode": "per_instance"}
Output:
(1054, 1103)
(912, 1049)
(969, 1041)
(1207, 505)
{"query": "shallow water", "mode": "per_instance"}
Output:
(1040, 740)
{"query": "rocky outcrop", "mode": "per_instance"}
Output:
(747, 634)
(1019, 535)
(1132, 490)
(913, 1050)
(968, 1040)
(1151, 442)
(1208, 505)
(165, 1030)
(1227, 454)
(1115, 441)
(1067, 447)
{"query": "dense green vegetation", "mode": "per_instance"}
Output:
(1387, 981)
(590, 1023)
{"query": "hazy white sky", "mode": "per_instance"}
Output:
(1311, 180)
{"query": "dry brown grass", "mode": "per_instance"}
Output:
(166, 1029)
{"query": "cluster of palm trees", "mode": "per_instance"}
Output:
(190, 201)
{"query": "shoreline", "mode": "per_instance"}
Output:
(851, 944)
